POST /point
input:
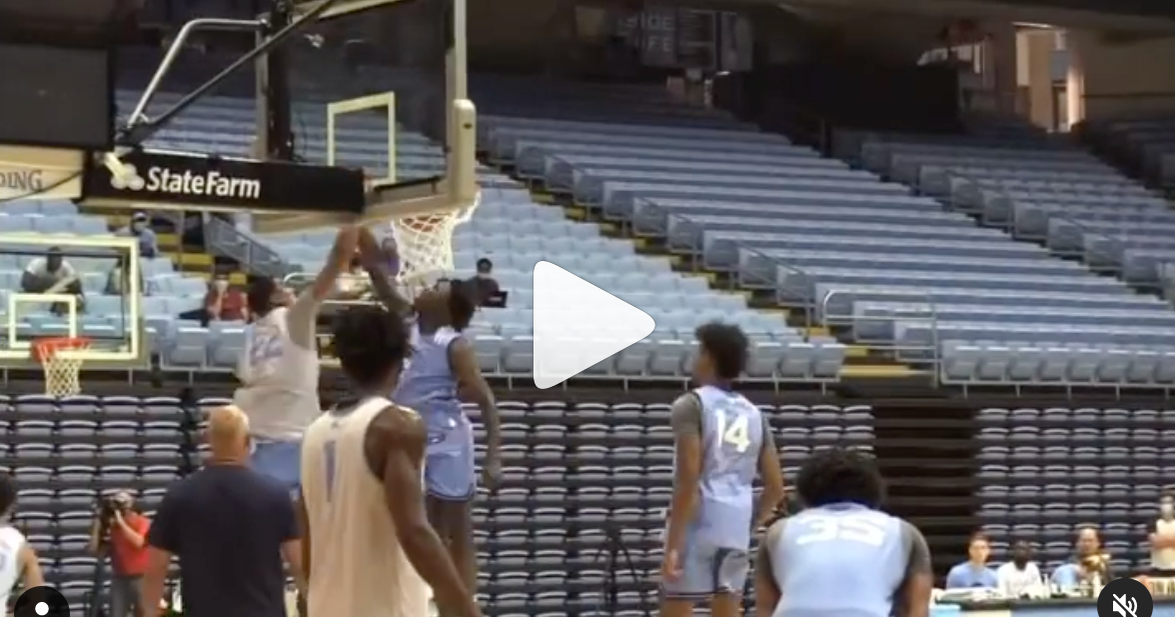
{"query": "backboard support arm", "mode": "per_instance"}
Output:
(140, 128)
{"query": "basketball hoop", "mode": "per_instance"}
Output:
(425, 243)
(60, 358)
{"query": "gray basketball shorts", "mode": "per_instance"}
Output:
(707, 571)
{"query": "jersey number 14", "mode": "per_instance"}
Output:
(736, 433)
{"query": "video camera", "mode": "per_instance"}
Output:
(106, 507)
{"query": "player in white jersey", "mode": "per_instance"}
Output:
(18, 560)
(278, 368)
(367, 544)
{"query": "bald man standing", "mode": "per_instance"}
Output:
(230, 527)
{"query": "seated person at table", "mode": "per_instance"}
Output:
(973, 572)
(1020, 577)
(1089, 564)
(52, 274)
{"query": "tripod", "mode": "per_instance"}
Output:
(612, 552)
(98, 596)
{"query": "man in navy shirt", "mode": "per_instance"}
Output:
(230, 528)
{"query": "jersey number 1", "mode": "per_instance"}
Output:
(737, 433)
(329, 459)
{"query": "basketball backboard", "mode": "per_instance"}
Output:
(397, 106)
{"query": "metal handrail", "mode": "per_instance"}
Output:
(224, 239)
(696, 251)
(924, 300)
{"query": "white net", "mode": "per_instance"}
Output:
(62, 366)
(425, 245)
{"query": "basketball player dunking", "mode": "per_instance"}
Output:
(18, 560)
(279, 367)
(841, 556)
(367, 540)
(722, 442)
(443, 370)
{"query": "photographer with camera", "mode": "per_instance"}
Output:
(123, 530)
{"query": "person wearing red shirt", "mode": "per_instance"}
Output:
(223, 303)
(128, 555)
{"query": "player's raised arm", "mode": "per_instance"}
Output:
(395, 445)
(686, 417)
(914, 595)
(374, 261)
(772, 474)
(304, 312)
(767, 593)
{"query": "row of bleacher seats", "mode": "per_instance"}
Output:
(1044, 473)
(573, 475)
(1037, 189)
(515, 234)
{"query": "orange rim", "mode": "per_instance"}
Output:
(44, 349)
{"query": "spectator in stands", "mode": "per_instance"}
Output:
(1020, 577)
(140, 228)
(52, 274)
(484, 281)
(230, 527)
(1162, 538)
(1089, 565)
(223, 302)
(123, 530)
(116, 282)
(973, 572)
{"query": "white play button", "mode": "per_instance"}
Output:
(577, 324)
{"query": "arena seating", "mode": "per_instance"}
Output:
(894, 266)
(573, 474)
(515, 233)
(508, 228)
(1087, 329)
(1147, 142)
(1045, 472)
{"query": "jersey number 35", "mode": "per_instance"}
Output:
(844, 528)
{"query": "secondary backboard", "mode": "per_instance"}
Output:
(112, 321)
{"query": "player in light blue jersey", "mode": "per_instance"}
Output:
(841, 556)
(723, 442)
(442, 372)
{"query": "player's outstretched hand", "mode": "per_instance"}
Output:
(346, 243)
(369, 250)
